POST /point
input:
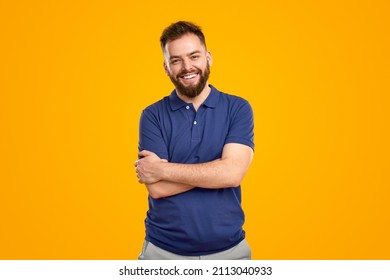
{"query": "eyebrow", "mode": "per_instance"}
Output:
(192, 53)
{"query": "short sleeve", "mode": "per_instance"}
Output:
(241, 125)
(150, 134)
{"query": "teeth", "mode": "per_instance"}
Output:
(189, 76)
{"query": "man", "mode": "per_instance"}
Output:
(195, 147)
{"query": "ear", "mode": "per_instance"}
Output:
(209, 58)
(166, 68)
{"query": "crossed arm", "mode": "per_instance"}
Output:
(163, 178)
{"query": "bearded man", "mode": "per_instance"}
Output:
(195, 147)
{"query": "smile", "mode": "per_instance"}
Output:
(189, 76)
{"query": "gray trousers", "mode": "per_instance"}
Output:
(241, 251)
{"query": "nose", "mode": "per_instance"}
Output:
(187, 65)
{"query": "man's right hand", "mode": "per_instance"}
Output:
(149, 168)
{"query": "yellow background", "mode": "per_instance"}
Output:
(75, 76)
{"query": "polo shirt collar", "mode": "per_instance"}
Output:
(211, 100)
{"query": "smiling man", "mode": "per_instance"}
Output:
(195, 147)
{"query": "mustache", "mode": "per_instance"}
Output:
(194, 71)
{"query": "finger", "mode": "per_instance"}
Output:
(136, 163)
(164, 160)
(145, 153)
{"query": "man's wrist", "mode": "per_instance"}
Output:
(163, 171)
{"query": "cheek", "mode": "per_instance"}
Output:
(202, 64)
(174, 71)
(169, 72)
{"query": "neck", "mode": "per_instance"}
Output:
(198, 100)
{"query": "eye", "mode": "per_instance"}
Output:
(175, 61)
(195, 57)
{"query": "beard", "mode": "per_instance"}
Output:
(191, 91)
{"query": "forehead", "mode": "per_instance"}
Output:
(184, 45)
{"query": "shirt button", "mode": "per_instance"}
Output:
(187, 107)
(195, 122)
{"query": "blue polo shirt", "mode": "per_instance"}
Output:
(200, 221)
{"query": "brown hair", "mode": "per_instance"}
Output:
(178, 29)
